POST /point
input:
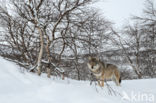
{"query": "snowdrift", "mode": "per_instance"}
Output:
(17, 86)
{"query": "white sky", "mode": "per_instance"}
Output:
(119, 11)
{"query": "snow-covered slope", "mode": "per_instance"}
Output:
(22, 87)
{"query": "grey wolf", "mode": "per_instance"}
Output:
(103, 71)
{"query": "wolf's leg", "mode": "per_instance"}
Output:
(117, 78)
(114, 79)
(118, 84)
(117, 81)
(102, 85)
(102, 80)
(99, 83)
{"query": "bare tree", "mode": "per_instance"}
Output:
(42, 34)
(148, 26)
(131, 48)
(139, 48)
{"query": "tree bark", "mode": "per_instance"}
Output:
(40, 53)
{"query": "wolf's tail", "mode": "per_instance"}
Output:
(120, 80)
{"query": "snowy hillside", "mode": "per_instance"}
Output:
(19, 87)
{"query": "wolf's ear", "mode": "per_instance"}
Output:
(89, 58)
(97, 59)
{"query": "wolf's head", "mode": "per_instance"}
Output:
(93, 63)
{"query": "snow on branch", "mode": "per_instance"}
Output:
(57, 68)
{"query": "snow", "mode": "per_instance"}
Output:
(18, 86)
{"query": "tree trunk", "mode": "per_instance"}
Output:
(40, 53)
(134, 68)
(49, 59)
(48, 72)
